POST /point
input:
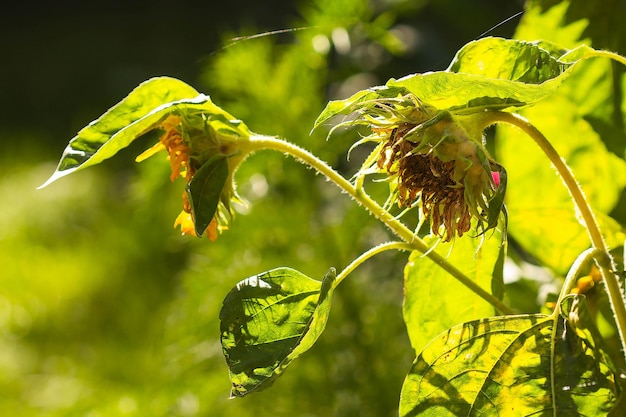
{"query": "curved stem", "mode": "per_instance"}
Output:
(609, 55)
(267, 142)
(604, 262)
(258, 142)
(366, 255)
(570, 281)
(573, 273)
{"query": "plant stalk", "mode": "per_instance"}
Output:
(603, 259)
(259, 142)
(370, 253)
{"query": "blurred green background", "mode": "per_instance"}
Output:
(105, 309)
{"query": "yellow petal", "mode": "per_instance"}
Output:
(149, 152)
(211, 230)
(185, 221)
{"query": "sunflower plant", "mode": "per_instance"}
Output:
(445, 204)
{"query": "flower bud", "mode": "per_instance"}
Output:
(190, 142)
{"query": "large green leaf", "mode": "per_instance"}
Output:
(514, 366)
(434, 300)
(140, 112)
(268, 320)
(490, 73)
(526, 62)
(512, 74)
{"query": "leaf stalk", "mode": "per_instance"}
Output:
(366, 255)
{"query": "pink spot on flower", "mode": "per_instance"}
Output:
(496, 178)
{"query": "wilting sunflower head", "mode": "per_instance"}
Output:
(206, 152)
(435, 160)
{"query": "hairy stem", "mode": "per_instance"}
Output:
(259, 142)
(365, 256)
(605, 262)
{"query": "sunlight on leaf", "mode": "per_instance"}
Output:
(524, 74)
(267, 321)
(514, 366)
(546, 19)
(434, 300)
(597, 88)
(509, 60)
(139, 113)
(119, 122)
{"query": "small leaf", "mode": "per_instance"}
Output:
(204, 191)
(497, 279)
(434, 300)
(267, 321)
(514, 365)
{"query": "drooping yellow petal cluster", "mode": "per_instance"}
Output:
(178, 151)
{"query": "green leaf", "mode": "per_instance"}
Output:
(267, 321)
(574, 22)
(490, 73)
(526, 62)
(119, 126)
(597, 86)
(204, 191)
(514, 365)
(140, 112)
(434, 300)
(523, 74)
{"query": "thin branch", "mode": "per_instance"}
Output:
(370, 253)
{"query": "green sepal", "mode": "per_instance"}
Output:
(355, 102)
(496, 202)
(267, 321)
(514, 365)
(205, 189)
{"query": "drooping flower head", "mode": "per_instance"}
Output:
(194, 144)
(435, 160)
(204, 144)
